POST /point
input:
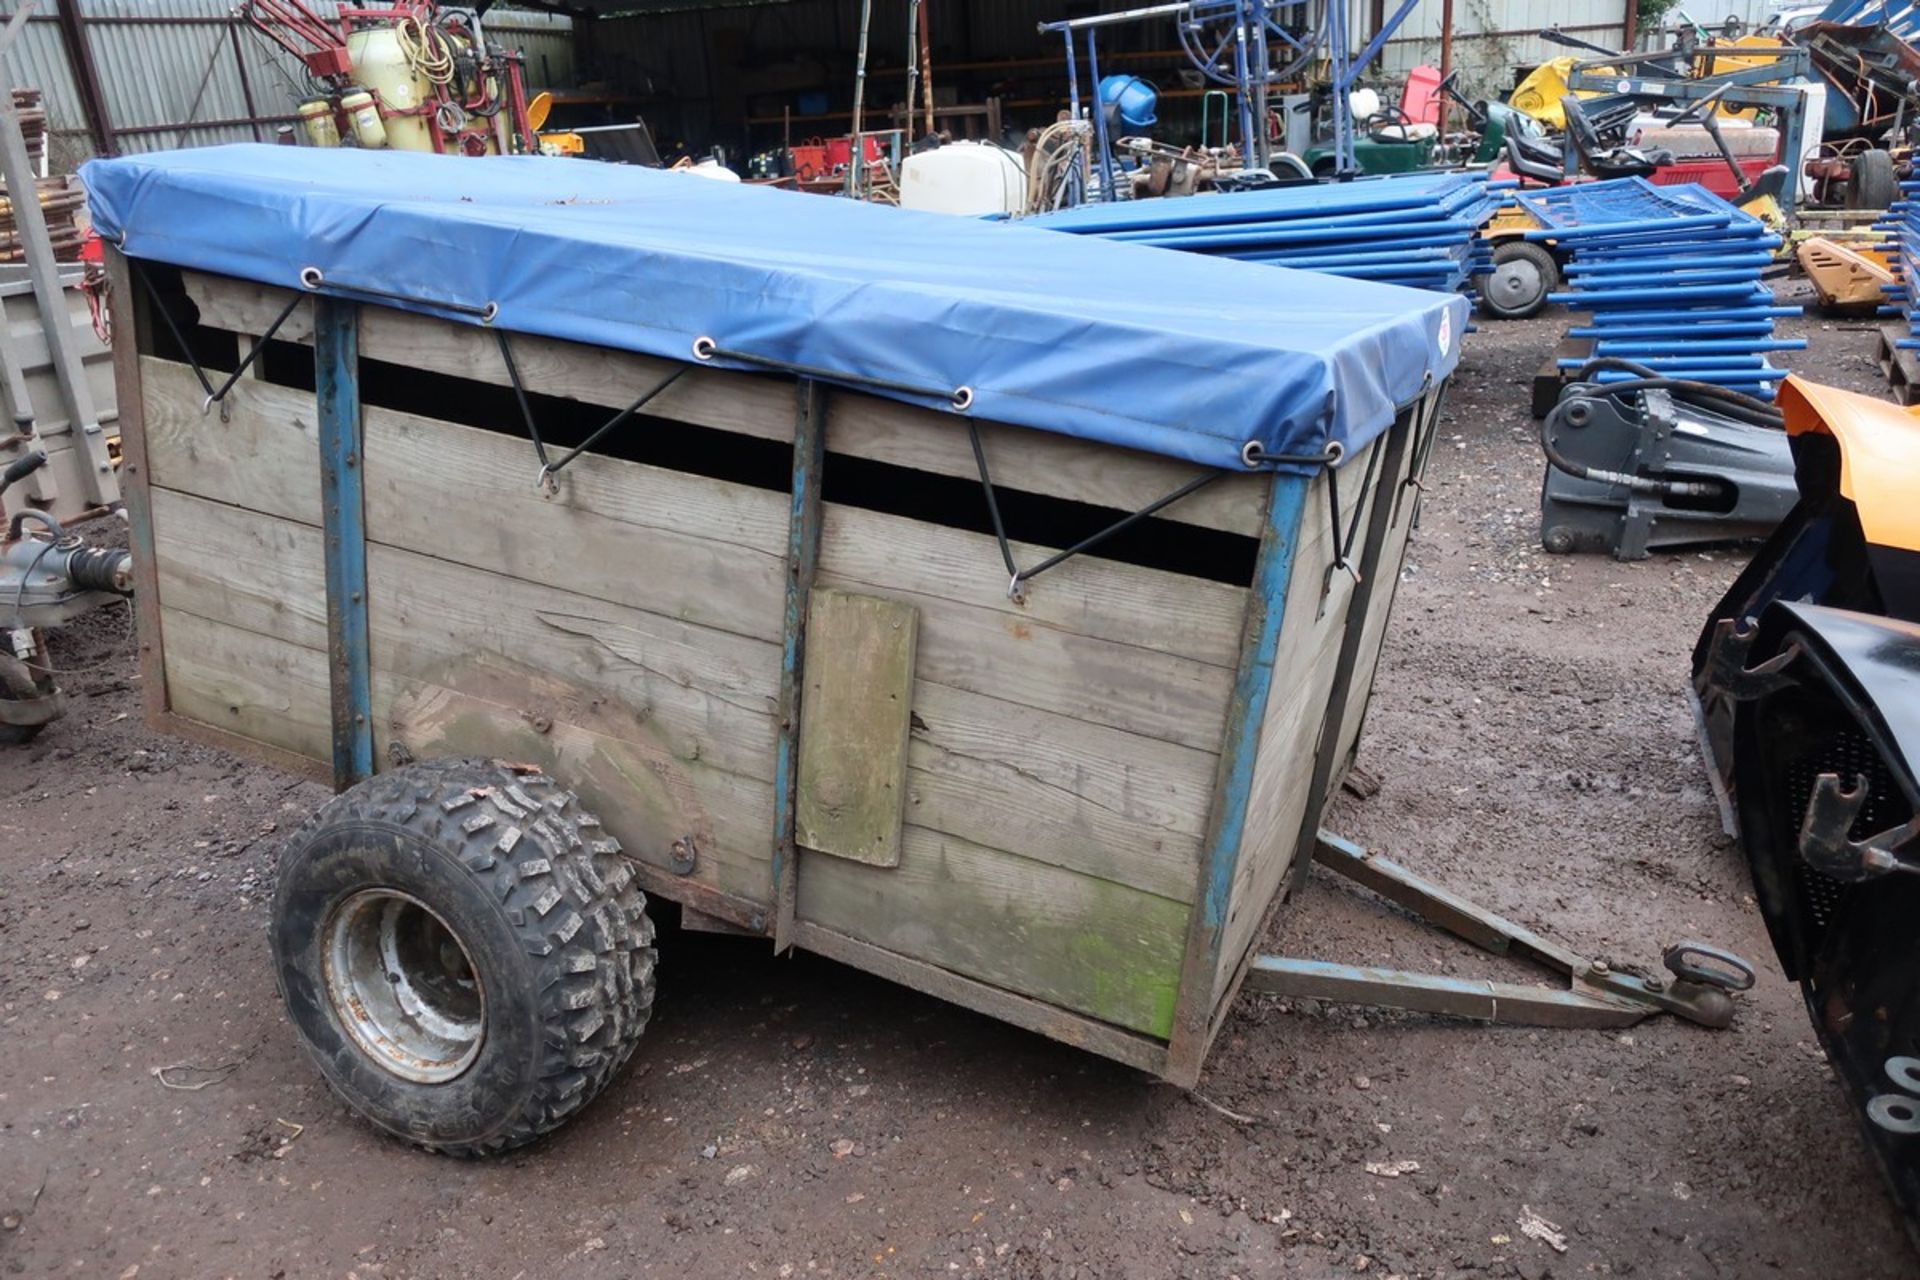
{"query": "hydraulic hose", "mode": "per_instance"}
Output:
(1639, 484)
(1724, 401)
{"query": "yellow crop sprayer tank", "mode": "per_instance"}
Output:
(407, 77)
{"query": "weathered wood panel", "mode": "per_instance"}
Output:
(1074, 730)
(1059, 773)
(1310, 637)
(858, 425)
(1112, 644)
(259, 687)
(1083, 943)
(265, 458)
(689, 705)
(850, 793)
(1379, 608)
(1057, 790)
(273, 691)
(1039, 462)
(702, 551)
(743, 403)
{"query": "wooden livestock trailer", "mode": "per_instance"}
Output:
(762, 628)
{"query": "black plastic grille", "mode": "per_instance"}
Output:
(1851, 755)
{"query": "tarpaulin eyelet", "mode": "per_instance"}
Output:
(311, 278)
(962, 399)
(703, 348)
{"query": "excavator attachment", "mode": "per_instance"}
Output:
(1807, 678)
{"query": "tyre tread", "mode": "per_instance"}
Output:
(591, 1019)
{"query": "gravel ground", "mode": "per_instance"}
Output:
(794, 1119)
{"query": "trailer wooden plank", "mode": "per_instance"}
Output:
(741, 403)
(264, 456)
(1124, 604)
(854, 717)
(1033, 1015)
(1030, 461)
(703, 827)
(858, 425)
(707, 693)
(694, 705)
(1085, 944)
(1119, 806)
(275, 692)
(259, 687)
(713, 552)
(980, 649)
(706, 551)
(1316, 613)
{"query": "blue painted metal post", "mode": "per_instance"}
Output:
(1233, 780)
(1076, 181)
(803, 556)
(1241, 75)
(1100, 117)
(336, 376)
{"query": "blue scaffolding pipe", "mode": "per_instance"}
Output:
(1669, 316)
(1704, 262)
(1732, 329)
(1581, 300)
(1428, 232)
(1686, 347)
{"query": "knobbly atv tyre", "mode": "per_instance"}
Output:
(464, 952)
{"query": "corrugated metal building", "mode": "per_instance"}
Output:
(177, 73)
(741, 73)
(703, 68)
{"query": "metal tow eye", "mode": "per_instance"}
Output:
(1701, 990)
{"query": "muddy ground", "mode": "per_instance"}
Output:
(1533, 749)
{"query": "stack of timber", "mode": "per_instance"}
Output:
(59, 199)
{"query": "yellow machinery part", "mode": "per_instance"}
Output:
(562, 144)
(1723, 57)
(1842, 276)
(1879, 454)
(1540, 93)
(1509, 220)
(1768, 210)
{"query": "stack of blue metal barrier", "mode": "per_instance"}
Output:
(1902, 221)
(1669, 277)
(1419, 229)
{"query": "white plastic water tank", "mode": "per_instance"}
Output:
(966, 178)
(710, 169)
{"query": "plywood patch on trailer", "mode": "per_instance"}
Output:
(854, 715)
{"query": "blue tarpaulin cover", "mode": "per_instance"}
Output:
(1173, 353)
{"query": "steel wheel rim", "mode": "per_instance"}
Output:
(403, 985)
(1516, 282)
